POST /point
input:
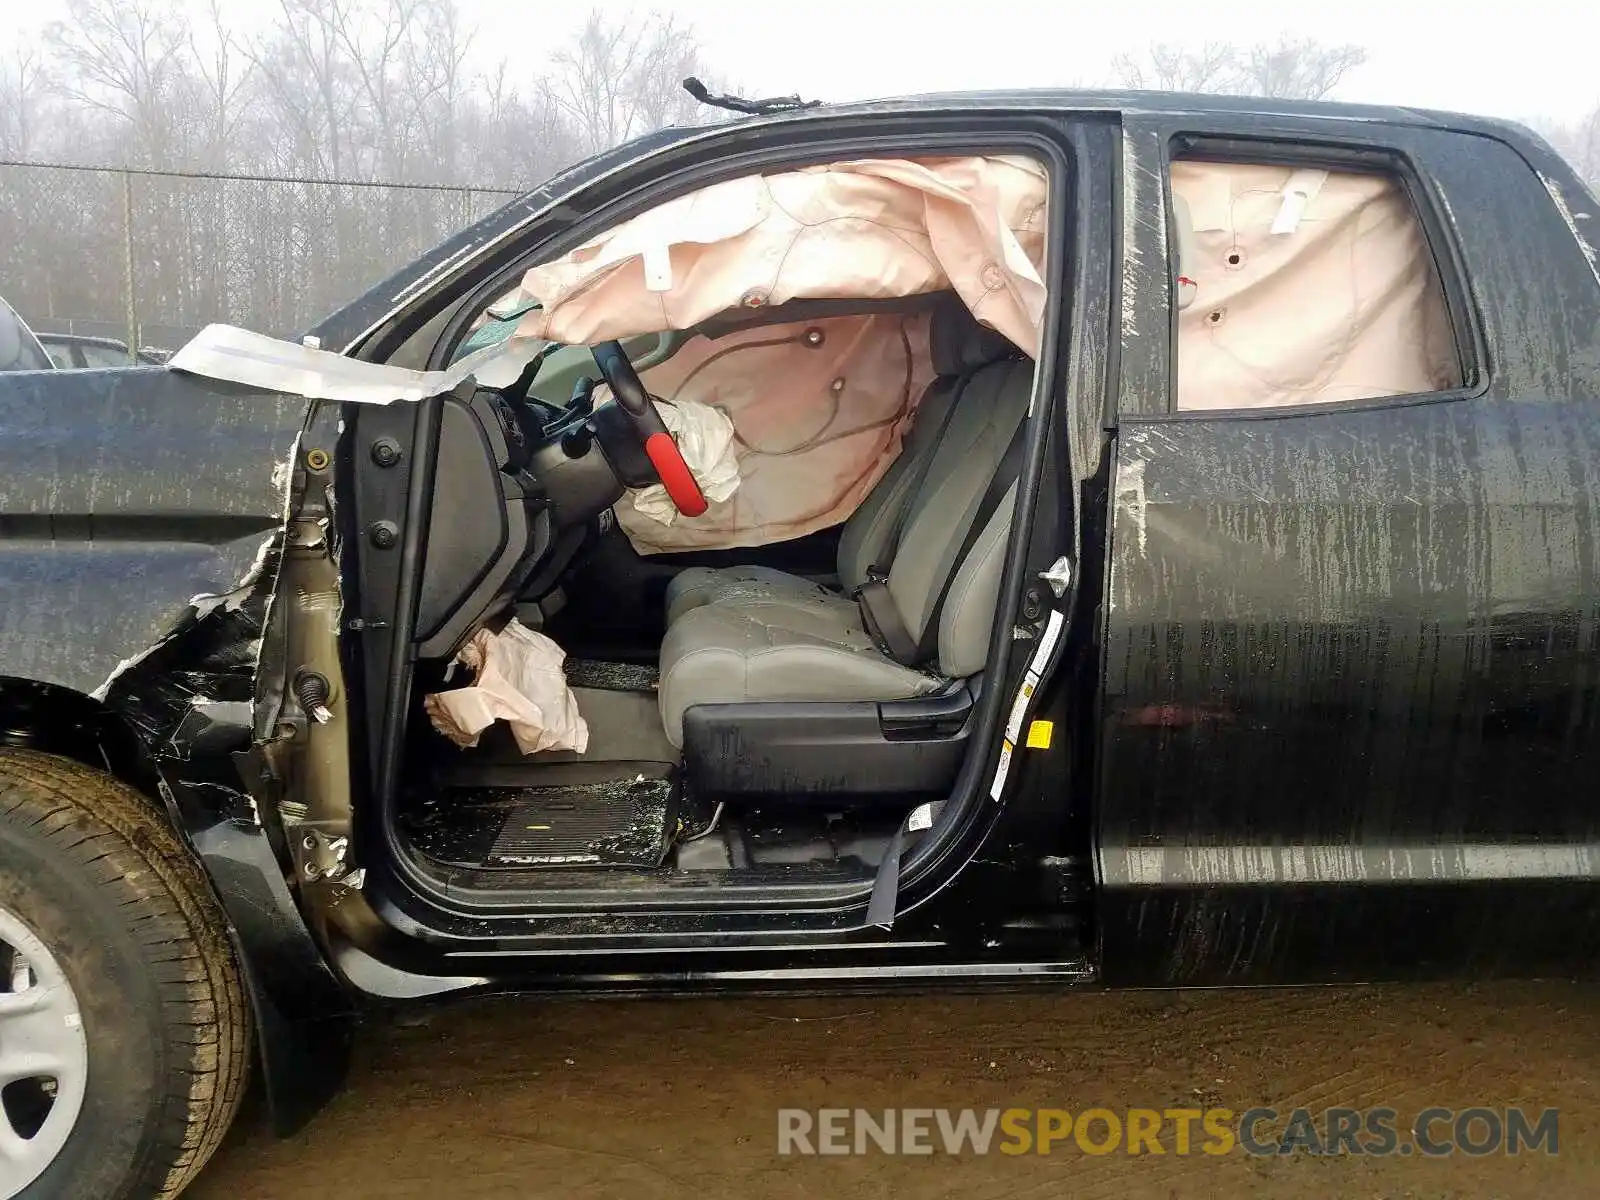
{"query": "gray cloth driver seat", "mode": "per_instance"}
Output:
(737, 644)
(959, 346)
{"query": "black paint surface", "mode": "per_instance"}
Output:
(1350, 722)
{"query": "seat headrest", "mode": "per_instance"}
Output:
(960, 342)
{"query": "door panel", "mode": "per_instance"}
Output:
(1350, 723)
(1350, 652)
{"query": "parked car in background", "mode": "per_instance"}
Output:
(77, 350)
(19, 346)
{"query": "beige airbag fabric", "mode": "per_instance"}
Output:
(817, 422)
(818, 411)
(1310, 287)
(705, 439)
(519, 681)
(871, 228)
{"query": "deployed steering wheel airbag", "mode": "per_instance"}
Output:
(652, 432)
(675, 474)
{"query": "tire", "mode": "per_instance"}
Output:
(94, 870)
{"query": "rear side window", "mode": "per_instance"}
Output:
(1303, 286)
(95, 355)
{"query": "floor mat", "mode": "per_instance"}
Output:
(624, 822)
(624, 726)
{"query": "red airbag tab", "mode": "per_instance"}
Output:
(675, 474)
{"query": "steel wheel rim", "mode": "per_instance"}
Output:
(44, 1056)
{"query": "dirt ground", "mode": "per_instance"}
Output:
(680, 1098)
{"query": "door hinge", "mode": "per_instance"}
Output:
(326, 856)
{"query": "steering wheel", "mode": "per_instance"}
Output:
(658, 444)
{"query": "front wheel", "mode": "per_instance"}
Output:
(124, 1031)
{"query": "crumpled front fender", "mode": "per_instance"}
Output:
(142, 518)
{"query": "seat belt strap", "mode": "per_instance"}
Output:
(886, 883)
(881, 617)
(919, 474)
(879, 613)
(1005, 475)
(885, 896)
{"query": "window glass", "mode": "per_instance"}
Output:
(95, 355)
(1303, 286)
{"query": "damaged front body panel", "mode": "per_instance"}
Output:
(144, 514)
(139, 501)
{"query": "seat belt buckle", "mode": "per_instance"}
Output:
(875, 575)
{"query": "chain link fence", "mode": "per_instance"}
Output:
(151, 256)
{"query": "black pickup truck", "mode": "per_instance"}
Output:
(1216, 601)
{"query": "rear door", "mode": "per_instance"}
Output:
(1349, 723)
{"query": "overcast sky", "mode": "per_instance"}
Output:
(1515, 58)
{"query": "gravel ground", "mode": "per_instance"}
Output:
(680, 1098)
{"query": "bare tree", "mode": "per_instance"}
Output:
(1303, 69)
(123, 58)
(1586, 149)
(1164, 67)
(374, 42)
(369, 90)
(1578, 142)
(222, 73)
(373, 89)
(306, 85)
(617, 81)
(24, 84)
(514, 137)
(438, 89)
(655, 86)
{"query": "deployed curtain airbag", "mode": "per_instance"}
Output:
(818, 407)
(851, 230)
(1308, 286)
